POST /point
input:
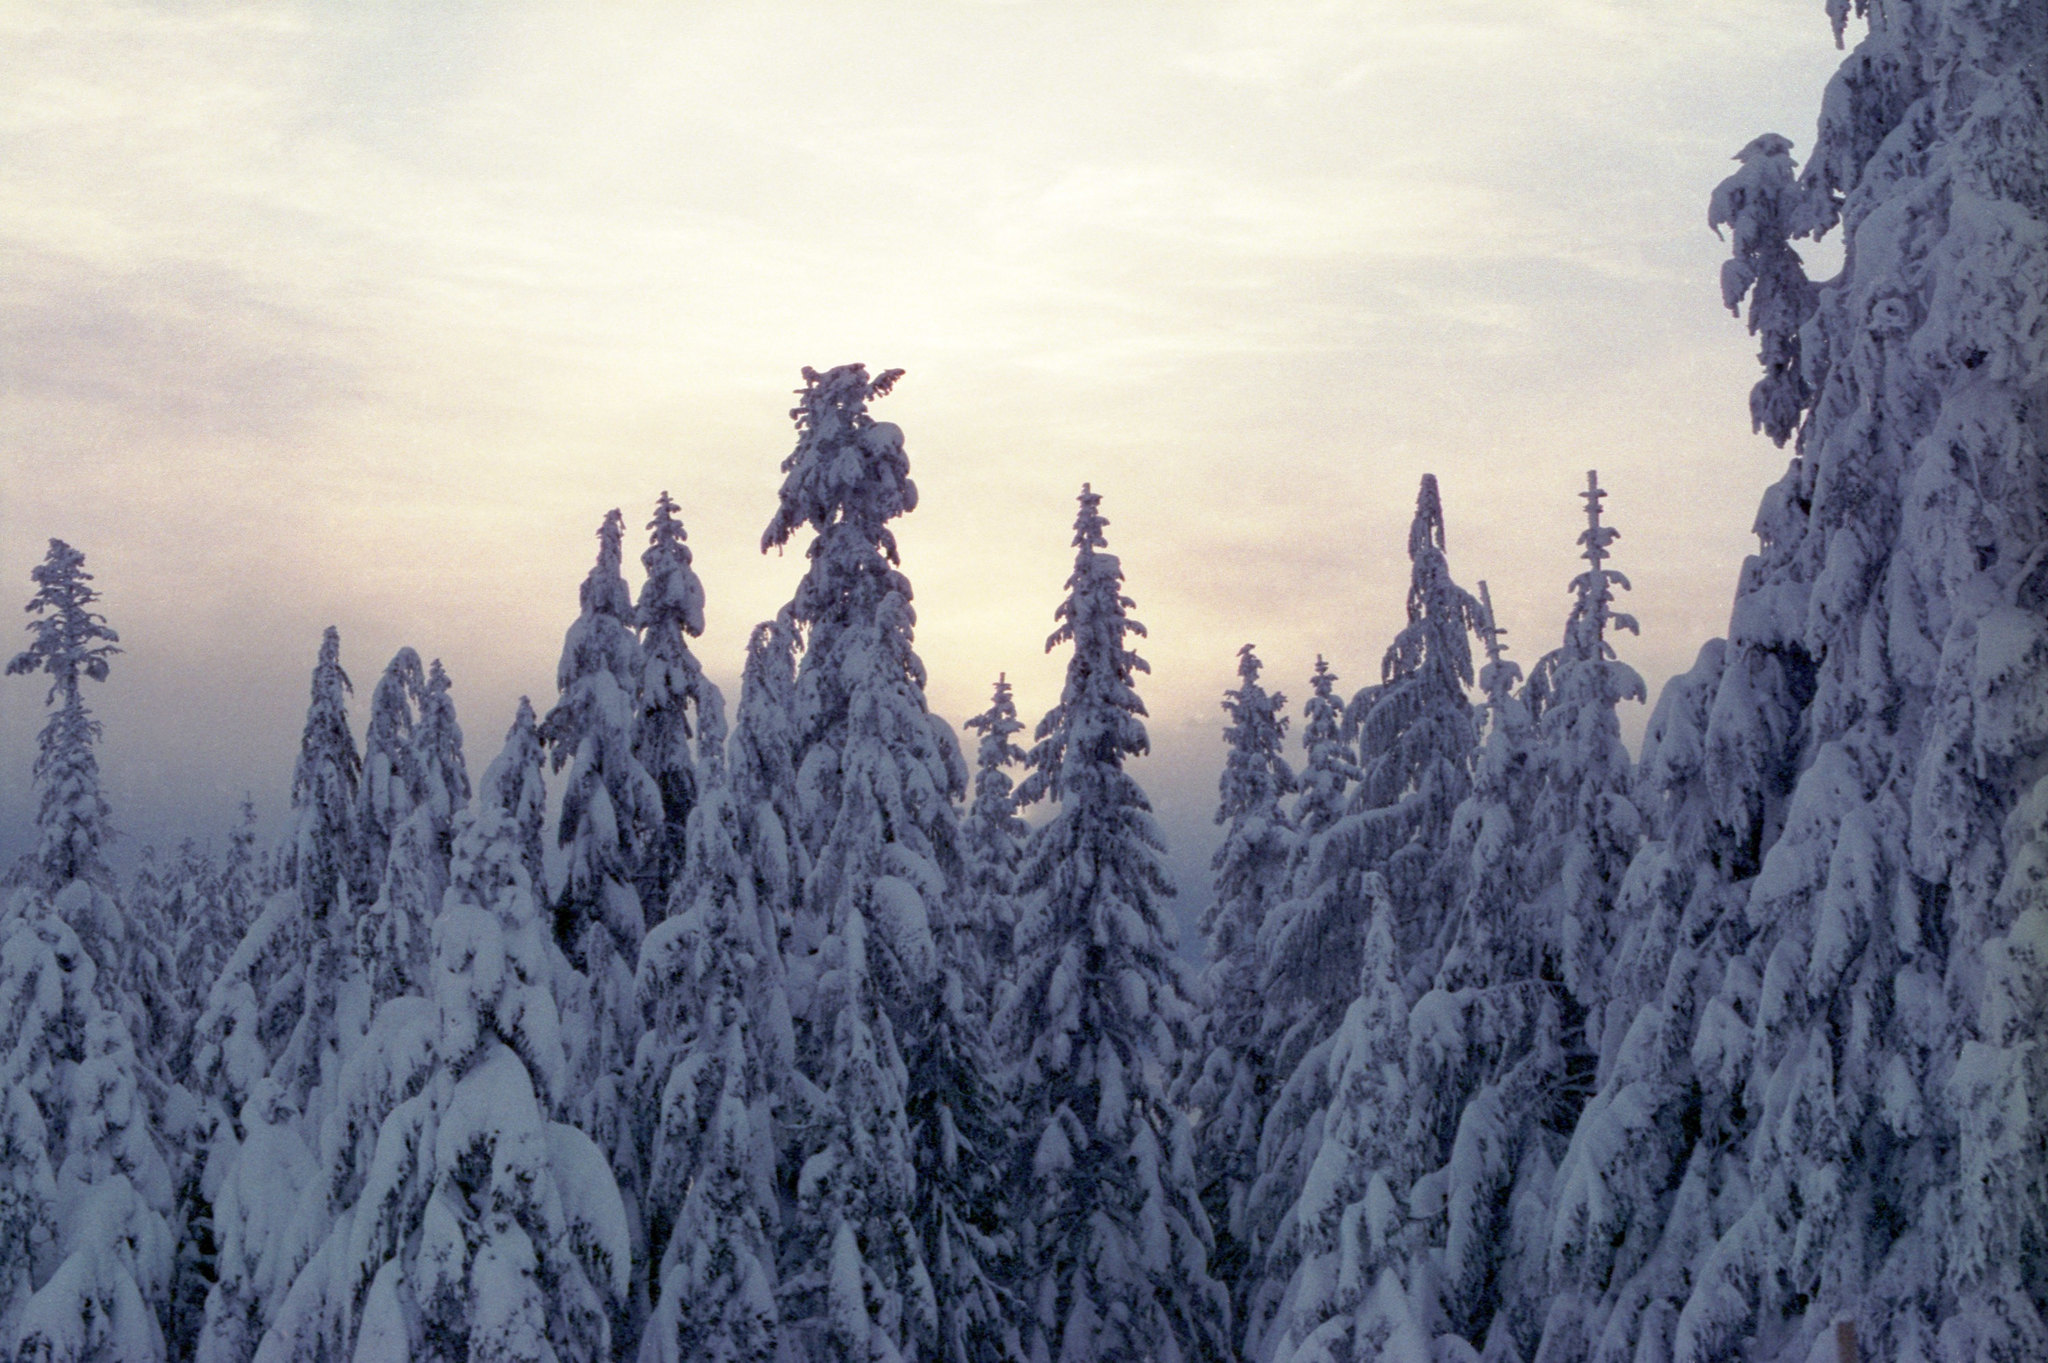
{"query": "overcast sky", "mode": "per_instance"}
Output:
(364, 315)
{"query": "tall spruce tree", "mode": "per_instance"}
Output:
(1233, 1083)
(1416, 738)
(1828, 1105)
(415, 781)
(1115, 1242)
(1585, 817)
(708, 1073)
(679, 716)
(70, 641)
(86, 1191)
(1354, 1252)
(610, 807)
(392, 782)
(883, 1034)
(1310, 951)
(992, 837)
(287, 1003)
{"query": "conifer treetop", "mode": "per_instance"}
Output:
(1446, 611)
(1497, 677)
(1595, 613)
(1255, 776)
(68, 638)
(996, 725)
(585, 650)
(437, 737)
(1328, 765)
(672, 590)
(1099, 719)
(1592, 616)
(847, 468)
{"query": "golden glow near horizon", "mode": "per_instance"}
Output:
(365, 315)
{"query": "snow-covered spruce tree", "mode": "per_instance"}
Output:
(215, 905)
(1417, 742)
(386, 1061)
(392, 781)
(763, 776)
(481, 1229)
(1310, 952)
(992, 836)
(707, 1074)
(1585, 822)
(1416, 739)
(71, 642)
(1232, 1085)
(1346, 1298)
(897, 1159)
(85, 1245)
(327, 841)
(287, 1003)
(1485, 1098)
(680, 715)
(163, 892)
(417, 782)
(1486, 1040)
(437, 741)
(1115, 1243)
(514, 783)
(610, 807)
(1833, 1109)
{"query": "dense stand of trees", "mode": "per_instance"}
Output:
(804, 1041)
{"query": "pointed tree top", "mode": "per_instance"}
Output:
(1440, 612)
(1426, 531)
(846, 467)
(604, 589)
(69, 638)
(522, 750)
(671, 590)
(995, 725)
(666, 527)
(1088, 525)
(330, 682)
(665, 533)
(1248, 665)
(1497, 679)
(1596, 537)
(1593, 612)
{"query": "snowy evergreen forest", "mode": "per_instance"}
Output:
(801, 1027)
